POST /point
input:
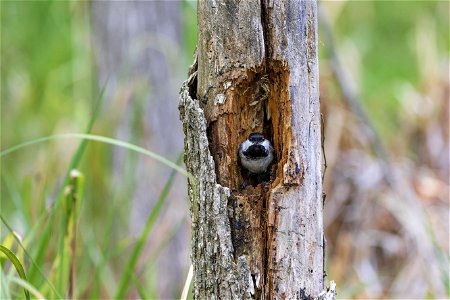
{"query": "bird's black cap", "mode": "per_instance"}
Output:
(256, 137)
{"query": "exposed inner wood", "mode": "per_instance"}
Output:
(256, 101)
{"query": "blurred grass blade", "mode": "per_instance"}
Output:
(102, 139)
(187, 284)
(8, 243)
(33, 262)
(82, 147)
(16, 198)
(140, 243)
(140, 289)
(27, 287)
(76, 197)
(46, 235)
(15, 261)
(68, 241)
(5, 293)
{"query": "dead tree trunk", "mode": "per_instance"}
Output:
(257, 71)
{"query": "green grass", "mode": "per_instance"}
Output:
(382, 34)
(17, 264)
(49, 89)
(140, 243)
(64, 262)
(92, 137)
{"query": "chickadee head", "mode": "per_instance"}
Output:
(256, 153)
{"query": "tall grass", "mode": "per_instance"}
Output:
(396, 53)
(17, 264)
(49, 89)
(64, 264)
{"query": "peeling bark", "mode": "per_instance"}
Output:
(257, 71)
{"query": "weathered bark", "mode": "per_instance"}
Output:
(257, 71)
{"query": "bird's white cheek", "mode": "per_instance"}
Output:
(245, 145)
(267, 144)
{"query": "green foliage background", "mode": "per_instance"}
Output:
(48, 86)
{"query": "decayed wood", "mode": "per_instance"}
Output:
(216, 273)
(257, 71)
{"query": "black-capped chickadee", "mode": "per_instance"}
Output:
(256, 153)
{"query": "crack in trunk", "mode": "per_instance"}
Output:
(257, 72)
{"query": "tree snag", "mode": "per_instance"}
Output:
(256, 70)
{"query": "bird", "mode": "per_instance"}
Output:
(256, 153)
